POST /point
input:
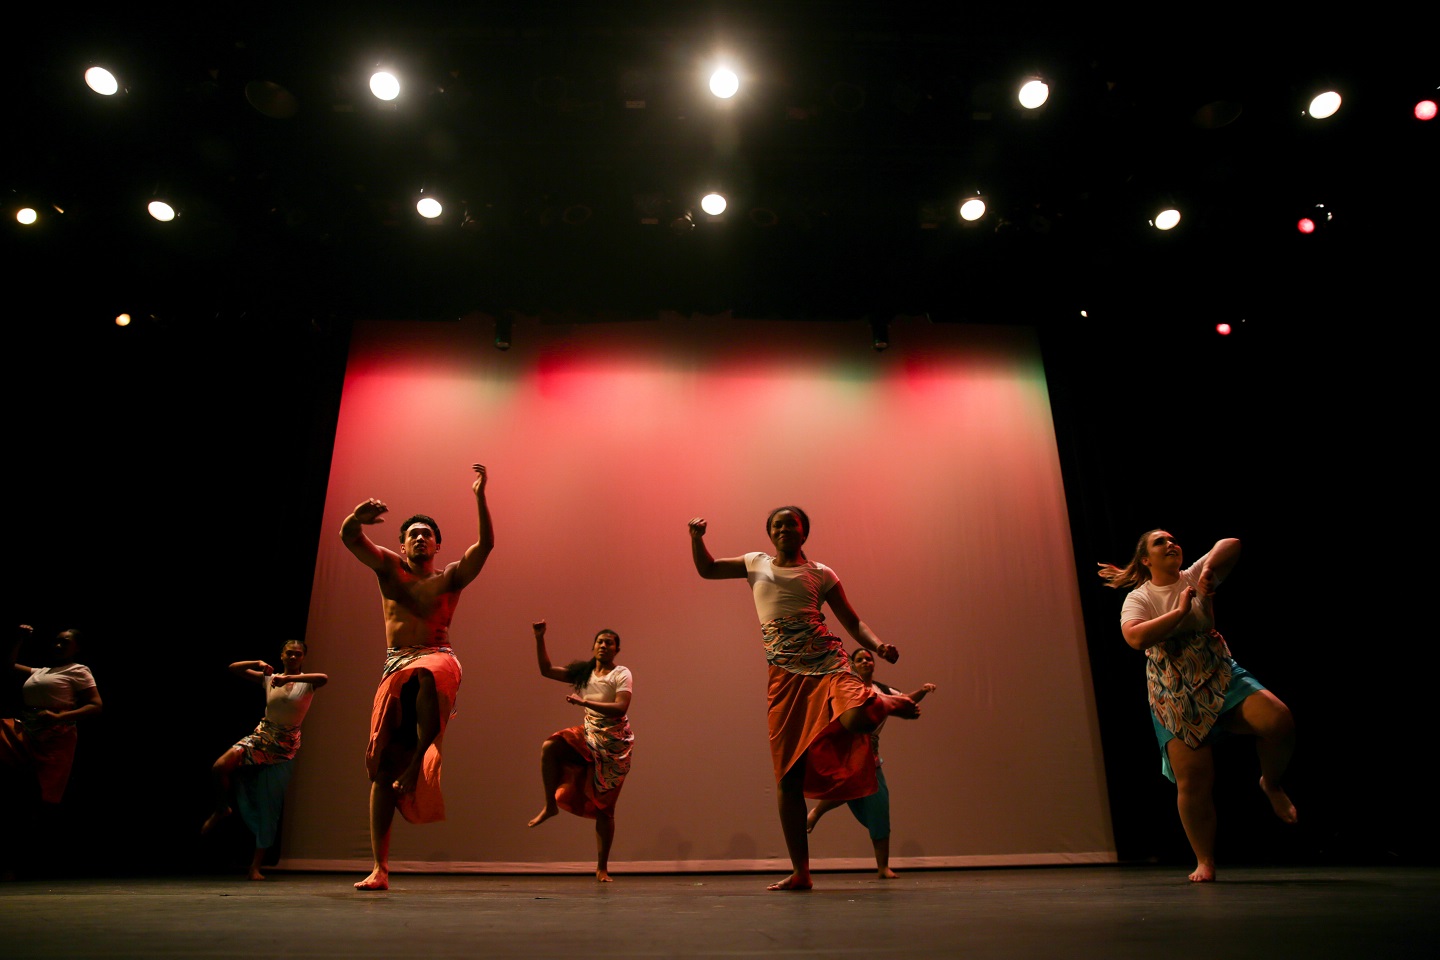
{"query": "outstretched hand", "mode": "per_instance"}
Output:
(888, 652)
(697, 527)
(369, 511)
(539, 627)
(478, 487)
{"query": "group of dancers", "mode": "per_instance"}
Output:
(825, 710)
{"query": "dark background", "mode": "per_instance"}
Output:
(168, 478)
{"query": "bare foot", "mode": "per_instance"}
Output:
(405, 783)
(885, 873)
(898, 704)
(793, 882)
(379, 879)
(254, 875)
(603, 876)
(213, 821)
(1284, 809)
(543, 815)
(1204, 873)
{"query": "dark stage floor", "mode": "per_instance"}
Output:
(1119, 912)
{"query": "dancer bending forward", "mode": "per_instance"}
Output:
(820, 714)
(1196, 690)
(582, 768)
(873, 811)
(255, 772)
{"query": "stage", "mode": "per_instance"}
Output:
(1103, 911)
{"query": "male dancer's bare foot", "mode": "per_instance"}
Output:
(213, 821)
(885, 873)
(795, 881)
(1284, 809)
(405, 783)
(603, 876)
(379, 879)
(543, 815)
(1204, 873)
(254, 875)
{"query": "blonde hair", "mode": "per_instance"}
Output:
(1135, 572)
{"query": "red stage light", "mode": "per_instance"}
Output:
(1306, 225)
(1425, 110)
(1222, 328)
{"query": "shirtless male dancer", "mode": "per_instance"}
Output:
(417, 690)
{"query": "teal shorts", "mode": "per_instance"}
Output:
(1242, 684)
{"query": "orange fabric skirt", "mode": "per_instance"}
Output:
(426, 804)
(804, 722)
(577, 793)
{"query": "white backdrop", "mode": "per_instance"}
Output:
(933, 484)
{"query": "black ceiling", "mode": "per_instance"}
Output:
(559, 128)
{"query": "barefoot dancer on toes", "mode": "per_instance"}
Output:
(583, 768)
(820, 714)
(1196, 690)
(873, 811)
(421, 678)
(255, 771)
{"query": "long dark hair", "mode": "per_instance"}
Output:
(578, 672)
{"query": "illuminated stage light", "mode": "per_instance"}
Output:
(385, 86)
(724, 83)
(1324, 105)
(1425, 110)
(1166, 219)
(429, 208)
(102, 81)
(161, 210)
(26, 215)
(1305, 225)
(1034, 94)
(713, 204)
(1223, 329)
(972, 209)
(122, 320)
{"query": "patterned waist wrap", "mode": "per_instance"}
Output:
(1186, 677)
(802, 645)
(609, 740)
(398, 658)
(270, 743)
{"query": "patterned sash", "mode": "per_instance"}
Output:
(802, 645)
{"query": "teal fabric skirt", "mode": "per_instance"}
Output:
(1242, 684)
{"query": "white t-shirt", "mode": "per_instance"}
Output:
(607, 689)
(287, 705)
(1147, 601)
(787, 591)
(56, 688)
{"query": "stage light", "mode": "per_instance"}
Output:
(1223, 329)
(1324, 105)
(102, 81)
(713, 204)
(161, 210)
(385, 85)
(122, 320)
(1033, 94)
(1305, 225)
(724, 83)
(1425, 110)
(429, 208)
(1166, 219)
(26, 215)
(972, 209)
(1314, 218)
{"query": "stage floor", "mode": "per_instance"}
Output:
(1105, 911)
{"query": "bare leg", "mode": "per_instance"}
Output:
(604, 836)
(220, 773)
(882, 859)
(791, 801)
(821, 808)
(1264, 717)
(1195, 798)
(382, 817)
(552, 761)
(255, 873)
(427, 726)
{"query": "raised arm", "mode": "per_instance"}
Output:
(352, 533)
(919, 695)
(1146, 633)
(22, 633)
(256, 670)
(316, 680)
(1218, 563)
(730, 568)
(547, 669)
(476, 554)
(857, 628)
